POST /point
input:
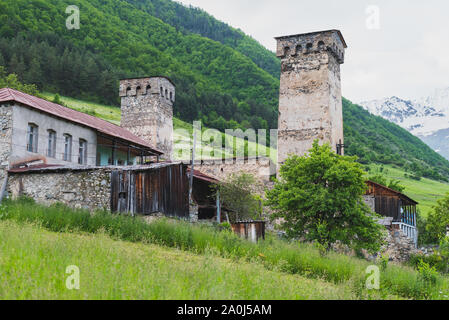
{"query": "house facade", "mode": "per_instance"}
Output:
(34, 130)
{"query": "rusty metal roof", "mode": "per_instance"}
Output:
(201, 176)
(48, 168)
(100, 125)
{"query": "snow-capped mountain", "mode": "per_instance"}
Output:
(427, 117)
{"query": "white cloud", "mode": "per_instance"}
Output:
(407, 57)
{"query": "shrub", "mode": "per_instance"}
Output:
(427, 274)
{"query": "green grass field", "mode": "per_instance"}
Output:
(425, 191)
(125, 257)
(34, 262)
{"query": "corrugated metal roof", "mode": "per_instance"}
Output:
(201, 176)
(102, 126)
(42, 168)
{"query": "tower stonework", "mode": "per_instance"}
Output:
(147, 111)
(310, 102)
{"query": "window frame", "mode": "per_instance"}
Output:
(68, 142)
(82, 151)
(32, 144)
(51, 147)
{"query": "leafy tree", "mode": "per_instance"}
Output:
(319, 198)
(238, 195)
(12, 81)
(438, 220)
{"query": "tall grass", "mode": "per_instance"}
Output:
(33, 265)
(274, 254)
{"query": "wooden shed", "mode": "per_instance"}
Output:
(396, 205)
(158, 188)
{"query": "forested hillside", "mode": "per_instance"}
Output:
(223, 77)
(215, 83)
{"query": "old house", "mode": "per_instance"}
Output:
(398, 209)
(55, 154)
(34, 129)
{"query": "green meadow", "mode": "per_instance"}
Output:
(424, 191)
(121, 257)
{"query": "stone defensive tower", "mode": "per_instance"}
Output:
(147, 111)
(310, 103)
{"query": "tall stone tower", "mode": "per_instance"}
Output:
(310, 103)
(147, 111)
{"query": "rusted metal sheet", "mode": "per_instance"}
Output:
(250, 230)
(151, 190)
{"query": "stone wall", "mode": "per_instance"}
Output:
(147, 111)
(262, 169)
(88, 189)
(398, 246)
(6, 125)
(310, 102)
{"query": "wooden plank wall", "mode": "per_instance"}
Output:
(156, 190)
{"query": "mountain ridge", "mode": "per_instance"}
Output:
(425, 117)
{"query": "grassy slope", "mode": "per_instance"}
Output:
(425, 191)
(34, 261)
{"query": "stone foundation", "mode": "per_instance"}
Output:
(399, 247)
(87, 189)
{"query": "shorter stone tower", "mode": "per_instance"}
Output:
(310, 102)
(147, 111)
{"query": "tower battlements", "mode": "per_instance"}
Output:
(331, 41)
(160, 86)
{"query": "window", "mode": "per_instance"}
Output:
(166, 94)
(32, 137)
(162, 91)
(51, 151)
(82, 157)
(67, 147)
(171, 96)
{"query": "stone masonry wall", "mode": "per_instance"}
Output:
(87, 189)
(147, 111)
(310, 102)
(6, 125)
(261, 169)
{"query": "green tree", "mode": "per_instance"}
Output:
(238, 196)
(438, 220)
(319, 198)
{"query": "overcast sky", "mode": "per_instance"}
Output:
(405, 54)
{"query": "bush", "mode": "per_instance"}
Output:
(427, 274)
